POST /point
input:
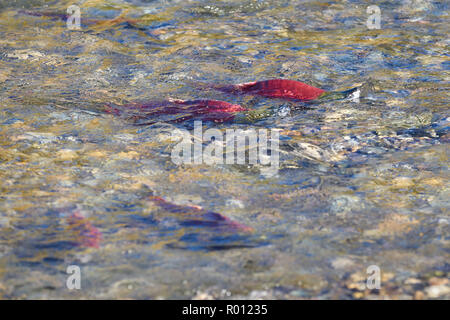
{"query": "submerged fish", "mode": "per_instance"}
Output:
(55, 15)
(121, 18)
(86, 234)
(176, 111)
(197, 216)
(206, 230)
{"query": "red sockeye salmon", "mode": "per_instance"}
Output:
(86, 234)
(200, 216)
(277, 88)
(177, 111)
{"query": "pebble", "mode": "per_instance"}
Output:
(235, 203)
(202, 296)
(419, 295)
(25, 54)
(344, 204)
(342, 263)
(412, 281)
(259, 295)
(437, 291)
(4, 222)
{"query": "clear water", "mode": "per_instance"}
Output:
(360, 183)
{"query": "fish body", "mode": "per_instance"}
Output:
(172, 106)
(210, 105)
(277, 88)
(87, 235)
(197, 216)
(180, 110)
(102, 23)
(54, 15)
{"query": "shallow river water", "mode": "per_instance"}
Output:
(361, 182)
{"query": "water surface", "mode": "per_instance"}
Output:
(360, 183)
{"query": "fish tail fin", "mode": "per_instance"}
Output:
(351, 94)
(353, 91)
